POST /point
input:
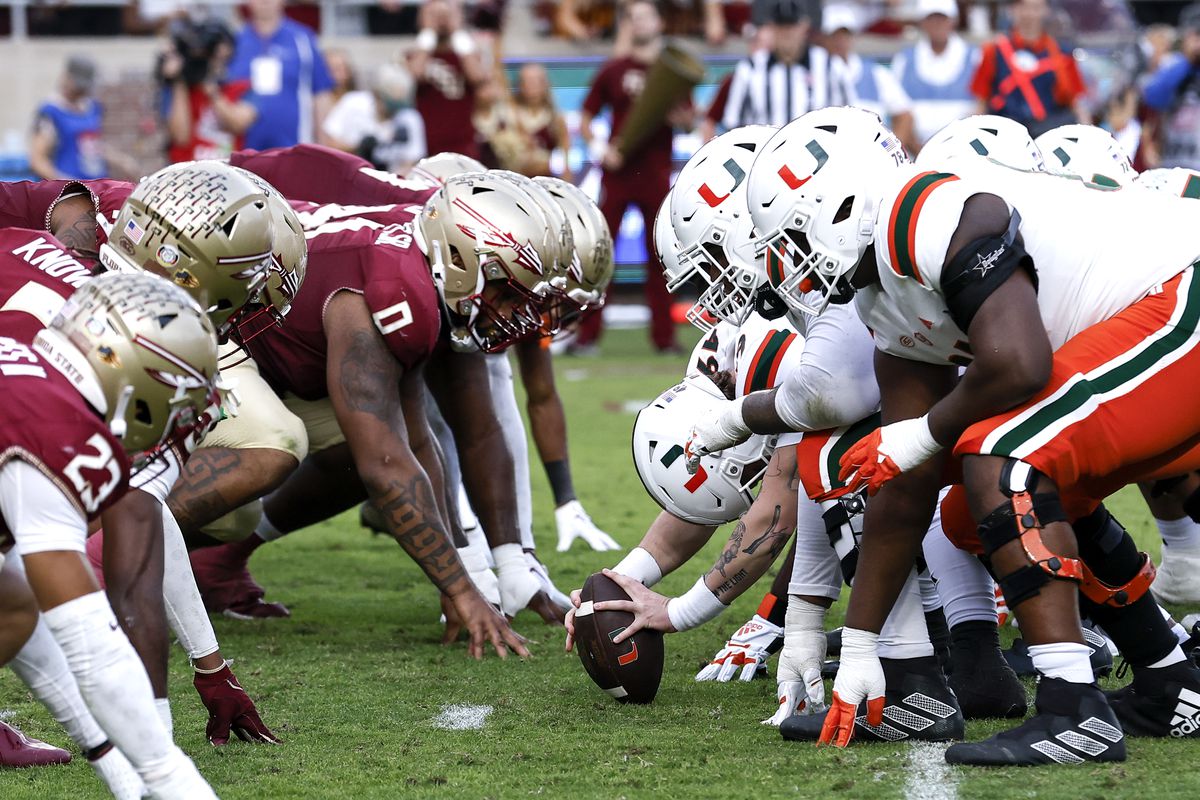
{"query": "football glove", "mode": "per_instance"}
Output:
(230, 709)
(475, 560)
(574, 523)
(716, 434)
(859, 678)
(886, 452)
(800, 687)
(749, 646)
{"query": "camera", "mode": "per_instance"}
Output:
(196, 42)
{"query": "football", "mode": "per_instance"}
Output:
(630, 671)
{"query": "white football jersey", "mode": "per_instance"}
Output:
(1097, 251)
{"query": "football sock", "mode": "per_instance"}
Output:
(113, 682)
(163, 706)
(1182, 533)
(1067, 661)
(265, 532)
(508, 415)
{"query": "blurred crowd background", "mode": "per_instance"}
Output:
(98, 89)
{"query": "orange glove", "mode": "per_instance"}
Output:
(886, 452)
(859, 678)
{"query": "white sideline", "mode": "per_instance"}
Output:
(462, 718)
(928, 776)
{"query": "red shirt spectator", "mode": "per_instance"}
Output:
(617, 86)
(448, 69)
(208, 138)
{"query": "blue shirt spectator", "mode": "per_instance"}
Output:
(1174, 91)
(66, 137)
(289, 81)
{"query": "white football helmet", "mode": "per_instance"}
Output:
(1003, 140)
(720, 491)
(1174, 180)
(713, 225)
(666, 246)
(1088, 153)
(813, 195)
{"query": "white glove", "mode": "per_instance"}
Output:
(800, 687)
(475, 560)
(574, 523)
(545, 584)
(427, 40)
(747, 648)
(518, 582)
(859, 678)
(716, 434)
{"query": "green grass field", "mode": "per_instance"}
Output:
(353, 681)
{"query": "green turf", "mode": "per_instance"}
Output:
(354, 678)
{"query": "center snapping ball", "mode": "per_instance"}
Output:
(629, 671)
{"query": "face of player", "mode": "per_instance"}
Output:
(505, 316)
(533, 85)
(645, 25)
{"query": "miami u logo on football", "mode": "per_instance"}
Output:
(627, 658)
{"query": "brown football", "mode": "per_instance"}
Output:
(630, 671)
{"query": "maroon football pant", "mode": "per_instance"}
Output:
(617, 193)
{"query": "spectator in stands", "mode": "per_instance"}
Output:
(342, 72)
(1025, 75)
(381, 125)
(67, 137)
(642, 177)
(288, 76)
(448, 68)
(774, 86)
(540, 121)
(936, 71)
(583, 20)
(1174, 91)
(205, 114)
(861, 82)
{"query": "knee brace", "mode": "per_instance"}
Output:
(1115, 572)
(840, 516)
(1022, 519)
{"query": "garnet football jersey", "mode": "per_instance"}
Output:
(48, 424)
(323, 175)
(367, 250)
(27, 204)
(37, 275)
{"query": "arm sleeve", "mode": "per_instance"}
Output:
(835, 383)
(1159, 91)
(38, 514)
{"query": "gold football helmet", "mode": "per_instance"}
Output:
(559, 225)
(491, 249)
(437, 168)
(203, 226)
(289, 262)
(591, 266)
(141, 351)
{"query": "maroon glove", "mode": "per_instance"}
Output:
(230, 708)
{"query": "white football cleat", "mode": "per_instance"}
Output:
(119, 775)
(1178, 578)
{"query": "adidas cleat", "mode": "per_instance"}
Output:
(1160, 702)
(983, 682)
(919, 706)
(1074, 724)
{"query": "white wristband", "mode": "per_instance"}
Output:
(462, 43)
(694, 608)
(909, 442)
(858, 643)
(427, 40)
(641, 566)
(510, 556)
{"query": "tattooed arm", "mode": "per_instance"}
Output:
(762, 533)
(74, 224)
(364, 380)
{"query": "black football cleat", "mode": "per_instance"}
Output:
(833, 643)
(1160, 702)
(1073, 724)
(919, 706)
(986, 686)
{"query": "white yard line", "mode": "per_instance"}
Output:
(462, 718)
(927, 775)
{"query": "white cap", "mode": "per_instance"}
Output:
(836, 16)
(927, 8)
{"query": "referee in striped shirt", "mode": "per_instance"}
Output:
(776, 85)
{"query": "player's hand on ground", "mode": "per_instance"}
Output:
(888, 451)
(574, 523)
(746, 649)
(230, 709)
(859, 678)
(805, 696)
(798, 674)
(485, 625)
(714, 434)
(649, 608)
